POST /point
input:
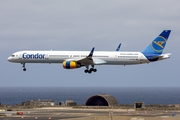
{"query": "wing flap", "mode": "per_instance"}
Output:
(98, 61)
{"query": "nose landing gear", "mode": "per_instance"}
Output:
(24, 67)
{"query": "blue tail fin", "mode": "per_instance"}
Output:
(157, 46)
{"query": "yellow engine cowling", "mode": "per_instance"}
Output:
(71, 65)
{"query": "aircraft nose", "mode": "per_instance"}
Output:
(9, 59)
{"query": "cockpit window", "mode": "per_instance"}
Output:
(12, 55)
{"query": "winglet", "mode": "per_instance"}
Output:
(118, 47)
(91, 53)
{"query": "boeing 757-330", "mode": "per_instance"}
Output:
(89, 59)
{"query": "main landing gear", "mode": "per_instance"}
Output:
(24, 68)
(90, 70)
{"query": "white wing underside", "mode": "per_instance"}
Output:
(88, 61)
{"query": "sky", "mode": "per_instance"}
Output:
(81, 25)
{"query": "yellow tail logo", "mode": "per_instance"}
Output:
(159, 43)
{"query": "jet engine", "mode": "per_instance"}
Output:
(71, 65)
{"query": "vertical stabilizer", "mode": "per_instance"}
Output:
(158, 44)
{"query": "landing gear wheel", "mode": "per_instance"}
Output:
(24, 68)
(86, 71)
(94, 70)
(89, 71)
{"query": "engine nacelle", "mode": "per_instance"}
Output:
(71, 65)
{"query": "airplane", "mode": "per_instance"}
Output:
(78, 59)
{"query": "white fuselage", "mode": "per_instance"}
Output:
(99, 57)
(77, 59)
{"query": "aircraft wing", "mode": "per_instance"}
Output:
(88, 60)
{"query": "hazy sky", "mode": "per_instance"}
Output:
(81, 25)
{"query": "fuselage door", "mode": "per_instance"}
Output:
(19, 56)
(46, 56)
(116, 56)
(141, 57)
